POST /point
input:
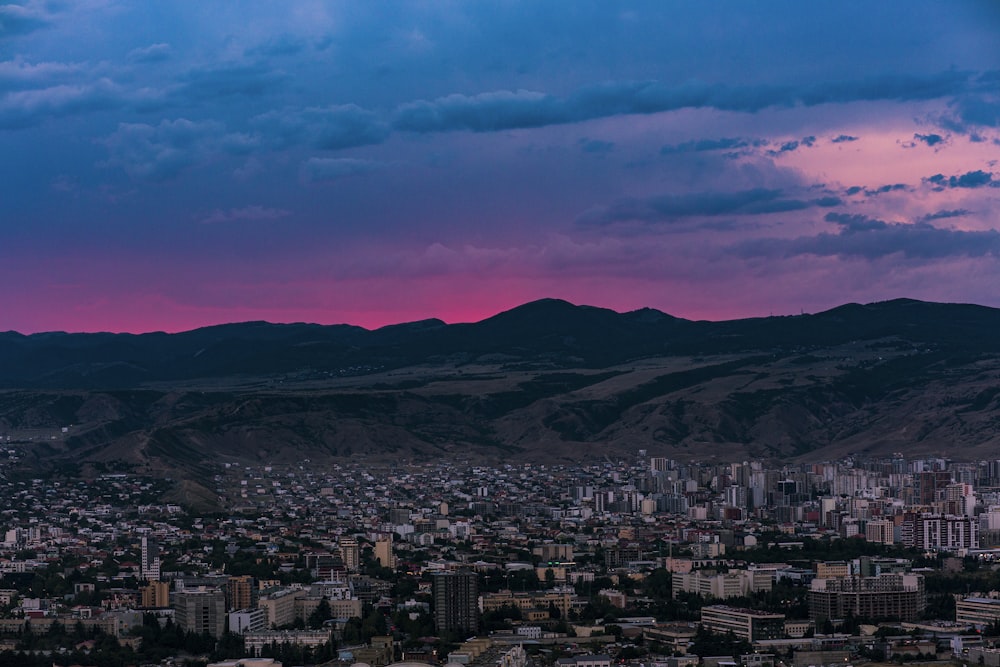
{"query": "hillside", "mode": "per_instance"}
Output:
(547, 381)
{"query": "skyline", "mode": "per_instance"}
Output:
(170, 166)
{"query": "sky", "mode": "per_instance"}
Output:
(168, 165)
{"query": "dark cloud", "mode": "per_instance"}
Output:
(154, 53)
(667, 208)
(596, 146)
(881, 190)
(843, 138)
(941, 215)
(161, 152)
(247, 213)
(929, 139)
(284, 45)
(702, 145)
(862, 237)
(793, 145)
(855, 222)
(875, 191)
(327, 169)
(20, 75)
(970, 179)
(329, 128)
(231, 80)
(487, 112)
(504, 110)
(29, 108)
(973, 110)
(18, 20)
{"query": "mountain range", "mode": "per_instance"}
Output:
(547, 381)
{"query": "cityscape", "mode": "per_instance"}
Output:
(532, 333)
(646, 561)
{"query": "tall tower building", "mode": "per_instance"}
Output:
(350, 552)
(384, 554)
(456, 602)
(149, 566)
(241, 592)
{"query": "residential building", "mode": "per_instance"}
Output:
(149, 568)
(735, 583)
(242, 592)
(887, 596)
(155, 594)
(456, 607)
(384, 554)
(201, 610)
(243, 621)
(977, 611)
(743, 623)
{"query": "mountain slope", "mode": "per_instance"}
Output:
(544, 381)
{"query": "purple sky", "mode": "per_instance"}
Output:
(167, 165)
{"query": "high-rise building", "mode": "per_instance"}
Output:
(149, 567)
(943, 532)
(881, 531)
(930, 485)
(242, 592)
(456, 602)
(350, 552)
(384, 554)
(201, 610)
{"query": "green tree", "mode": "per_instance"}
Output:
(320, 614)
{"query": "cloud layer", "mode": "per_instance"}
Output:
(171, 165)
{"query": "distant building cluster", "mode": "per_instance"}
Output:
(533, 547)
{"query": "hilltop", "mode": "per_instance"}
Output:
(546, 381)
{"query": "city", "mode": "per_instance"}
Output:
(644, 561)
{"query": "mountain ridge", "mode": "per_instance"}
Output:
(547, 381)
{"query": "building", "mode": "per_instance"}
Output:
(732, 584)
(881, 531)
(592, 660)
(833, 569)
(155, 594)
(929, 486)
(201, 610)
(456, 602)
(675, 637)
(561, 598)
(384, 554)
(887, 596)
(945, 532)
(280, 606)
(255, 642)
(149, 567)
(243, 621)
(350, 552)
(979, 612)
(242, 592)
(743, 623)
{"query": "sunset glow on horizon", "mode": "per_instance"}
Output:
(169, 166)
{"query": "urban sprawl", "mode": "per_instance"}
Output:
(649, 562)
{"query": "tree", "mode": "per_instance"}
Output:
(320, 614)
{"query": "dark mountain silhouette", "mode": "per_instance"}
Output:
(547, 380)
